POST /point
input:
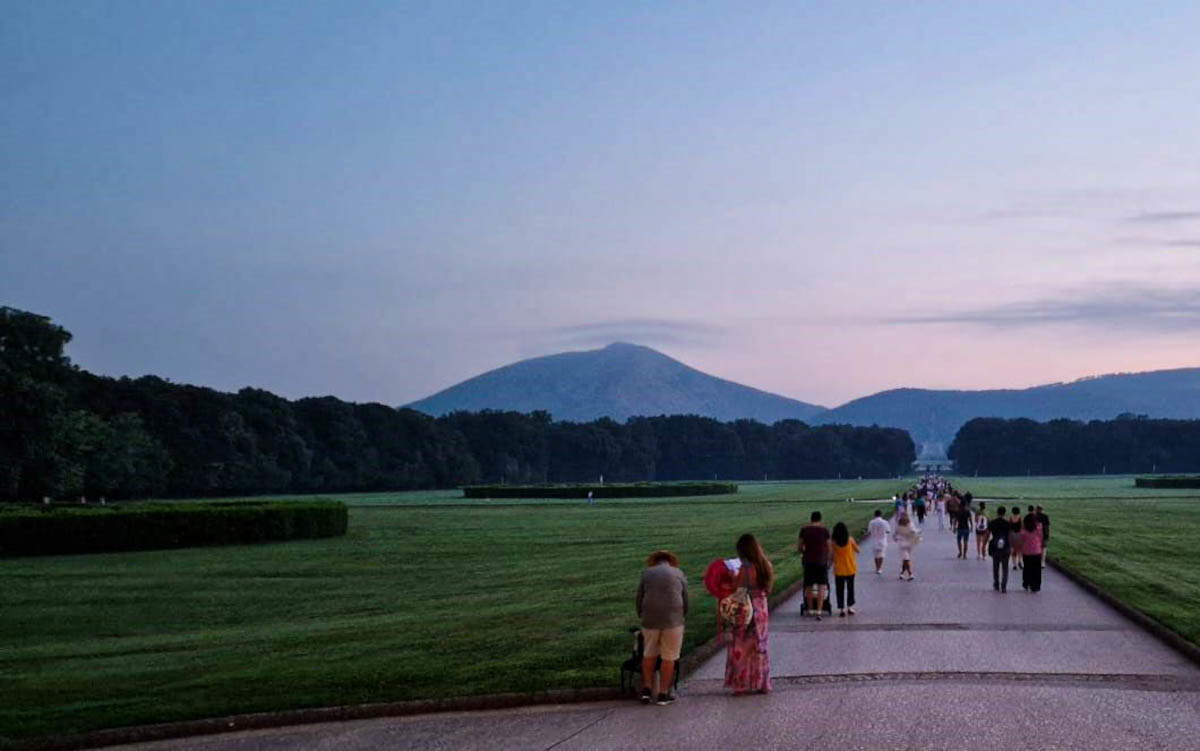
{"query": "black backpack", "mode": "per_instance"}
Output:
(999, 543)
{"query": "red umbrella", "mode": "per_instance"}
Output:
(719, 580)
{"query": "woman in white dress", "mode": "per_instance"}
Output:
(907, 538)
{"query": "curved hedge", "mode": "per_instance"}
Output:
(1170, 481)
(58, 530)
(620, 490)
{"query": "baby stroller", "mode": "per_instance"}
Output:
(828, 609)
(631, 669)
(803, 595)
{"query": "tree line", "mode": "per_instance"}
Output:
(1125, 445)
(65, 432)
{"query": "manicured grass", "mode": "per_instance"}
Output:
(1088, 487)
(429, 595)
(423, 598)
(1137, 549)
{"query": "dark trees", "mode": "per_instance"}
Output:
(66, 432)
(1128, 444)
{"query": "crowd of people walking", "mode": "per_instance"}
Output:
(742, 583)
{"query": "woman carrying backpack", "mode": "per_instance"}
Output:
(747, 661)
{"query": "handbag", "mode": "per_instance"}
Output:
(736, 611)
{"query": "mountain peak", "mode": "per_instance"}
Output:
(628, 347)
(619, 380)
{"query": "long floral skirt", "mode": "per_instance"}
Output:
(747, 660)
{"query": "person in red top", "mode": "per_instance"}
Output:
(815, 553)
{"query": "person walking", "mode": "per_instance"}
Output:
(747, 659)
(1044, 520)
(952, 505)
(919, 508)
(962, 529)
(1031, 552)
(879, 531)
(906, 539)
(815, 556)
(1016, 536)
(939, 508)
(845, 566)
(998, 546)
(981, 532)
(662, 604)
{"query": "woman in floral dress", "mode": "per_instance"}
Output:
(747, 661)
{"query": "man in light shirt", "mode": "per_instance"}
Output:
(879, 531)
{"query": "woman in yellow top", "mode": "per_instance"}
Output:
(845, 566)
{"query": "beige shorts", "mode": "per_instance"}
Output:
(662, 642)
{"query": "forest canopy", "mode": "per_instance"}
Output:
(65, 432)
(1125, 445)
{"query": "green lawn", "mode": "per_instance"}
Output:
(425, 597)
(1136, 547)
(431, 596)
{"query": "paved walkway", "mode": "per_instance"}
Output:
(923, 665)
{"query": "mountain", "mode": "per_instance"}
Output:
(623, 380)
(933, 417)
(618, 381)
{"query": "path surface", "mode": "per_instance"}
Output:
(1062, 669)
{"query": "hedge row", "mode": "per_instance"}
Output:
(55, 531)
(626, 490)
(1170, 481)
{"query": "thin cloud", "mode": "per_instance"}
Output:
(1163, 217)
(1140, 309)
(647, 331)
(1157, 242)
(1001, 215)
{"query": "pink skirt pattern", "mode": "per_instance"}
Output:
(747, 661)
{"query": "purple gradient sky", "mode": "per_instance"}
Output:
(377, 200)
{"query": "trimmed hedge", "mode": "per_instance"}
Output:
(620, 490)
(1169, 481)
(57, 530)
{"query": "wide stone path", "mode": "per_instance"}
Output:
(943, 662)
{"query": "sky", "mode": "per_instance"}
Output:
(377, 200)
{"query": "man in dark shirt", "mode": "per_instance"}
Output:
(999, 547)
(815, 552)
(962, 528)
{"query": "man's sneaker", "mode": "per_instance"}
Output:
(646, 697)
(665, 699)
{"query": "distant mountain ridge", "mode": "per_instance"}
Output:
(934, 416)
(619, 381)
(624, 380)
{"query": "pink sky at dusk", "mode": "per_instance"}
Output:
(822, 201)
